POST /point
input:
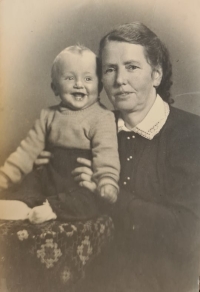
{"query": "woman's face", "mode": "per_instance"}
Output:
(128, 79)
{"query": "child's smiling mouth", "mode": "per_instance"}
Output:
(78, 95)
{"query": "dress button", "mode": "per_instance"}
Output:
(125, 182)
(128, 159)
(133, 137)
(128, 178)
(131, 157)
(128, 138)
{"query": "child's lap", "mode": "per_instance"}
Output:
(55, 183)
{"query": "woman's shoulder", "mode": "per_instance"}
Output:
(182, 131)
(182, 120)
(181, 137)
(181, 114)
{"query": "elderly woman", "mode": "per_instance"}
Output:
(158, 208)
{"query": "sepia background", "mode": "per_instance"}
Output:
(33, 32)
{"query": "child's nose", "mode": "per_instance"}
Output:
(78, 84)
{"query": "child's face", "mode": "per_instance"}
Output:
(76, 80)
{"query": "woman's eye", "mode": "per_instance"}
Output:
(109, 70)
(131, 67)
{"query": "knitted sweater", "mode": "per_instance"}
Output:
(91, 128)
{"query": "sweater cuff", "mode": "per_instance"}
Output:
(107, 181)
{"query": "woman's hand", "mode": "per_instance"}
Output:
(83, 174)
(43, 158)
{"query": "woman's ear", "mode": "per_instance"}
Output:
(54, 88)
(157, 76)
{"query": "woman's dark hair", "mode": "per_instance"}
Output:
(155, 51)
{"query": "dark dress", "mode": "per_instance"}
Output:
(157, 216)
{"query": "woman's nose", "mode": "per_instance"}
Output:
(121, 78)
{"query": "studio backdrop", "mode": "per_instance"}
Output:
(33, 32)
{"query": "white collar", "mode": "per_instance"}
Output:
(152, 123)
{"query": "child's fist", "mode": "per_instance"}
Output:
(109, 192)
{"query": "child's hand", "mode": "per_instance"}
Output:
(41, 214)
(109, 192)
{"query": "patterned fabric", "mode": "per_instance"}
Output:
(51, 256)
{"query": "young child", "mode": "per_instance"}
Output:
(78, 127)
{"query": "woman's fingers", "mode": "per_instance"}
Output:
(90, 185)
(83, 177)
(43, 158)
(45, 154)
(82, 170)
(41, 161)
(84, 161)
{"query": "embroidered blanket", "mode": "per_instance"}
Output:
(52, 256)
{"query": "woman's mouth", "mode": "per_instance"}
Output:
(123, 94)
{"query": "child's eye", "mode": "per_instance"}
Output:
(88, 78)
(69, 78)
